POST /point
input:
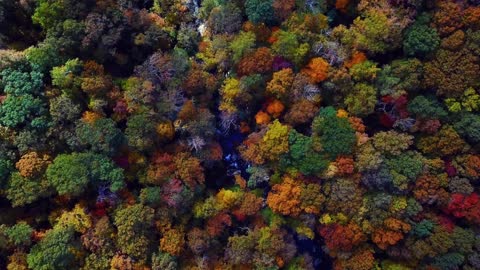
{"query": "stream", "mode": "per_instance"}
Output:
(233, 164)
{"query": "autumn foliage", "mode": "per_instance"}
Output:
(240, 135)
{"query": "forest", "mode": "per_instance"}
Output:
(239, 134)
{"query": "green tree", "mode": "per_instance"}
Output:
(151, 196)
(372, 32)
(408, 163)
(241, 44)
(361, 101)
(364, 71)
(426, 107)
(163, 261)
(392, 142)
(21, 81)
(405, 168)
(301, 155)
(23, 110)
(259, 11)
(64, 110)
(68, 174)
(101, 136)
(103, 170)
(140, 132)
(468, 125)
(21, 191)
(48, 13)
(19, 234)
(240, 249)
(187, 39)
(289, 46)
(67, 77)
(399, 77)
(54, 251)
(423, 229)
(6, 167)
(207, 6)
(449, 261)
(22, 106)
(464, 240)
(469, 101)
(134, 224)
(71, 173)
(67, 37)
(45, 55)
(420, 39)
(335, 135)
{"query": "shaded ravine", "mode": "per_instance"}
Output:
(233, 163)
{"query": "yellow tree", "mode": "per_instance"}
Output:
(275, 141)
(281, 82)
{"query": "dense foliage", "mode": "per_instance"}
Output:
(256, 134)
